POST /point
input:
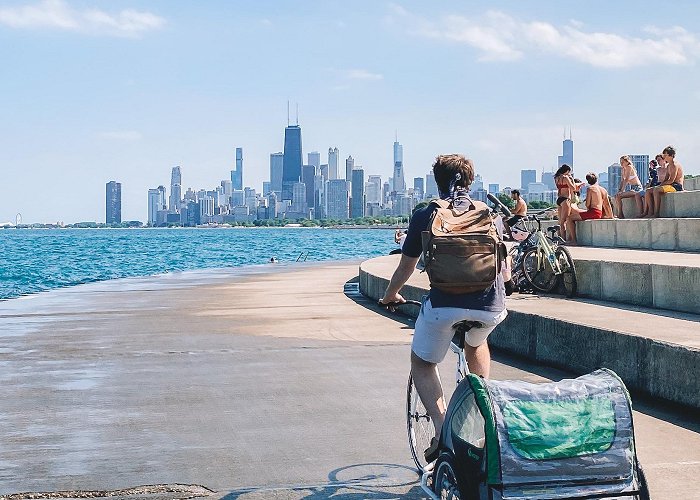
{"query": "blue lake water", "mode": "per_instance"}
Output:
(36, 260)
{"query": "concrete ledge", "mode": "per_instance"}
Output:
(681, 234)
(683, 204)
(658, 355)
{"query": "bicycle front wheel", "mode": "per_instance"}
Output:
(419, 425)
(537, 270)
(568, 271)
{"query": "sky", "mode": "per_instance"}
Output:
(96, 90)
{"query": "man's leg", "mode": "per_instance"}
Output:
(657, 200)
(478, 359)
(571, 227)
(427, 380)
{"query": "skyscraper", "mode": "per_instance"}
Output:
(156, 203)
(373, 190)
(614, 177)
(567, 157)
(333, 155)
(527, 177)
(175, 190)
(349, 164)
(308, 173)
(314, 159)
(399, 180)
(114, 203)
(494, 188)
(237, 175)
(276, 166)
(357, 208)
(337, 199)
(641, 165)
(418, 187)
(431, 189)
(291, 165)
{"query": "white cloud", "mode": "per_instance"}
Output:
(363, 74)
(500, 37)
(121, 135)
(57, 14)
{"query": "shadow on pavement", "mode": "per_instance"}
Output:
(370, 480)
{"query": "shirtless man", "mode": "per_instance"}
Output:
(657, 173)
(672, 182)
(520, 210)
(597, 205)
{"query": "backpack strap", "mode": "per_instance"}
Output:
(449, 204)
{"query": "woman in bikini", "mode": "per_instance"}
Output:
(566, 187)
(630, 186)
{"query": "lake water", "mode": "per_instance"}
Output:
(36, 260)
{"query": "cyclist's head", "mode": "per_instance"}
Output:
(452, 171)
(592, 178)
(564, 169)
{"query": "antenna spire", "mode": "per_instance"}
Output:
(288, 112)
(297, 113)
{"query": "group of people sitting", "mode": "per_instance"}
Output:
(665, 176)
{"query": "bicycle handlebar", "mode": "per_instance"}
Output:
(500, 205)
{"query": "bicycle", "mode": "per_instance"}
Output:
(544, 262)
(419, 425)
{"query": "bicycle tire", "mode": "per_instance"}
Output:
(569, 282)
(540, 277)
(419, 426)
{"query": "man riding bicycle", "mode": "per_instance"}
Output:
(441, 311)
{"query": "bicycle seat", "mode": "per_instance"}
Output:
(461, 328)
(553, 229)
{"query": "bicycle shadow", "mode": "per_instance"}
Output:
(405, 315)
(351, 482)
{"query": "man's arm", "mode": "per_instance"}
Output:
(607, 208)
(671, 172)
(403, 271)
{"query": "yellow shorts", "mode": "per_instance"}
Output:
(667, 188)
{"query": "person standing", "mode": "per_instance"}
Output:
(442, 310)
(566, 188)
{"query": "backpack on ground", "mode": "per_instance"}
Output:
(462, 249)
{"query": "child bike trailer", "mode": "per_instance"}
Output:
(516, 440)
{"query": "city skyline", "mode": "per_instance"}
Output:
(94, 98)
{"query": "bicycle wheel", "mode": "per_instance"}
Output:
(537, 270)
(568, 275)
(419, 425)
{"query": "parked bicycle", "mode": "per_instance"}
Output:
(540, 258)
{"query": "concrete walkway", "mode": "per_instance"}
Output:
(254, 385)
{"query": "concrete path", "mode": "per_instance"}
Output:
(251, 385)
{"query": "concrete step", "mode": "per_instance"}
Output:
(656, 352)
(683, 204)
(648, 234)
(663, 280)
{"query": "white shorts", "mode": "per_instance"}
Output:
(435, 329)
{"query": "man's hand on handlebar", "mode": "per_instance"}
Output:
(391, 301)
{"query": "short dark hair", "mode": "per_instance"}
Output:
(659, 156)
(515, 191)
(653, 163)
(446, 168)
(592, 178)
(562, 170)
(670, 151)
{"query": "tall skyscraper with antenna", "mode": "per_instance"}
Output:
(291, 164)
(567, 157)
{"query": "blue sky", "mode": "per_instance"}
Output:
(95, 90)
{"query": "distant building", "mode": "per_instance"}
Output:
(175, 190)
(494, 188)
(308, 173)
(323, 171)
(373, 190)
(332, 163)
(431, 189)
(357, 208)
(291, 165)
(314, 159)
(641, 164)
(337, 199)
(548, 180)
(114, 203)
(603, 180)
(419, 187)
(567, 157)
(276, 166)
(237, 174)
(320, 198)
(156, 203)
(299, 198)
(614, 177)
(479, 194)
(477, 184)
(349, 165)
(527, 177)
(398, 175)
(267, 188)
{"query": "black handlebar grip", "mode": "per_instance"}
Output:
(500, 205)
